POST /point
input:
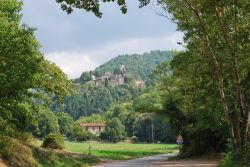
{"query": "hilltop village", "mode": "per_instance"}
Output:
(114, 78)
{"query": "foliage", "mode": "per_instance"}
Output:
(121, 111)
(6, 146)
(192, 105)
(217, 39)
(97, 100)
(65, 122)
(134, 139)
(140, 124)
(48, 158)
(79, 133)
(26, 137)
(54, 141)
(91, 99)
(30, 155)
(47, 123)
(139, 66)
(151, 101)
(90, 6)
(85, 77)
(28, 81)
(114, 131)
(241, 159)
(90, 119)
(228, 161)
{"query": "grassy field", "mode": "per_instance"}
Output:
(119, 151)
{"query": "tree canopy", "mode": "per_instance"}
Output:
(90, 6)
(28, 81)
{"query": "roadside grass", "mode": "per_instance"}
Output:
(25, 154)
(119, 151)
(49, 158)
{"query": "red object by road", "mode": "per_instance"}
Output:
(179, 139)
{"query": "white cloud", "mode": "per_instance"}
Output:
(74, 63)
(71, 63)
(136, 45)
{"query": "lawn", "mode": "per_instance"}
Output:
(119, 151)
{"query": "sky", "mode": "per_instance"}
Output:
(80, 41)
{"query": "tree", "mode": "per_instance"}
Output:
(92, 6)
(217, 33)
(28, 81)
(79, 133)
(65, 122)
(115, 131)
(47, 123)
(194, 107)
(85, 77)
(90, 119)
(151, 101)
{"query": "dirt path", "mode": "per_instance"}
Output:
(161, 161)
(2, 164)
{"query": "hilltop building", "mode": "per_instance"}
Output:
(112, 79)
(116, 78)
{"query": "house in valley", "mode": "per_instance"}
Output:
(94, 128)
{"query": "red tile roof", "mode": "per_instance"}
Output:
(93, 124)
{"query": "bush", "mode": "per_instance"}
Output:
(228, 161)
(6, 145)
(54, 141)
(79, 134)
(135, 139)
(115, 131)
(237, 159)
(27, 137)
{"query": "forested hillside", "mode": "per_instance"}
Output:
(97, 99)
(140, 66)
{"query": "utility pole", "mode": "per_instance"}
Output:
(133, 130)
(152, 132)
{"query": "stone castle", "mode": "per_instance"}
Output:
(112, 79)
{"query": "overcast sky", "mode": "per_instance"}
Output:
(81, 41)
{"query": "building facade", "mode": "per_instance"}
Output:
(94, 128)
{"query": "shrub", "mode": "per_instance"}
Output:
(228, 161)
(54, 141)
(79, 134)
(135, 139)
(237, 159)
(6, 145)
(27, 137)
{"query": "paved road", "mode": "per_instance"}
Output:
(140, 162)
(160, 161)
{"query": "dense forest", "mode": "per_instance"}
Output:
(201, 93)
(90, 99)
(105, 102)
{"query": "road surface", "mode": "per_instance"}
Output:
(160, 161)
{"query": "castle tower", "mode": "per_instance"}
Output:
(122, 71)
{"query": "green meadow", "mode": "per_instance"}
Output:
(119, 151)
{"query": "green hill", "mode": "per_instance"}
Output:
(97, 99)
(140, 66)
